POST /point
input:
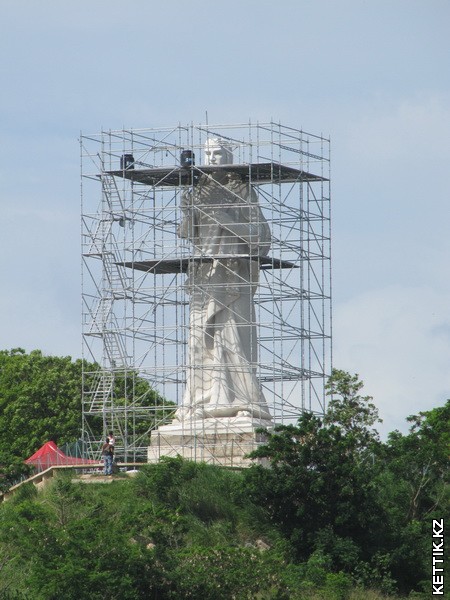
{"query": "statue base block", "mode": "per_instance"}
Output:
(223, 441)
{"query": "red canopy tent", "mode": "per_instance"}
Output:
(50, 455)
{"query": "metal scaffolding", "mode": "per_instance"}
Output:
(135, 315)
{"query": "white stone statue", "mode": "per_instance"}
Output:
(223, 220)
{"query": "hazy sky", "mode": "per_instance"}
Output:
(374, 75)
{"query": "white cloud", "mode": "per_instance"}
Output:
(410, 130)
(398, 340)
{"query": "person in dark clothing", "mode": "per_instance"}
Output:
(108, 456)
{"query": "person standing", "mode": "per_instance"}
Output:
(108, 455)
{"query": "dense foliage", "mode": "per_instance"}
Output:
(178, 530)
(334, 488)
(40, 400)
(338, 514)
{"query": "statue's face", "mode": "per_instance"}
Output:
(216, 153)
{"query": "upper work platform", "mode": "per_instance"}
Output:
(255, 173)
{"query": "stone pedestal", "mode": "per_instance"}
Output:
(224, 441)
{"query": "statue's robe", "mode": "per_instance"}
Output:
(221, 216)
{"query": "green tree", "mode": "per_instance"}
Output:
(419, 463)
(353, 413)
(40, 400)
(413, 485)
(316, 492)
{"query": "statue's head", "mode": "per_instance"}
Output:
(218, 152)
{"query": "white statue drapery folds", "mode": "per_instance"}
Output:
(223, 220)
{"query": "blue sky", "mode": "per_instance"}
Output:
(372, 75)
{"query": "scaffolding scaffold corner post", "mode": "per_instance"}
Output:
(146, 280)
